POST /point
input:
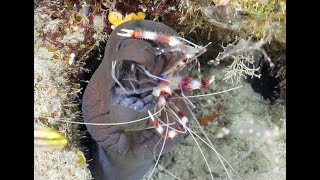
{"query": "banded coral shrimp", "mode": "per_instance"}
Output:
(173, 81)
(171, 113)
(113, 72)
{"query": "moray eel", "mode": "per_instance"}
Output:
(127, 151)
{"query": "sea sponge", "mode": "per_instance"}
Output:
(115, 18)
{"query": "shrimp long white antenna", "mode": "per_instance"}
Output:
(157, 161)
(193, 116)
(154, 150)
(215, 151)
(109, 124)
(182, 93)
(218, 154)
(170, 173)
(171, 128)
(151, 75)
(203, 95)
(193, 44)
(152, 127)
(199, 53)
(154, 156)
(178, 64)
(113, 74)
(205, 159)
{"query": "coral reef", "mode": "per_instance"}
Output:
(248, 43)
(53, 101)
(63, 164)
(56, 88)
(52, 93)
(261, 19)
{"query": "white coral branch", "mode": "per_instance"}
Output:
(239, 69)
(242, 53)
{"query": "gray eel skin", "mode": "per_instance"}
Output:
(127, 151)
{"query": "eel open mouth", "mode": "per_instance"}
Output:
(132, 95)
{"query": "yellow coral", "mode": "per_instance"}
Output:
(141, 15)
(129, 17)
(116, 18)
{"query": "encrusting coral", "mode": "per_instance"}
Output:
(261, 19)
(116, 18)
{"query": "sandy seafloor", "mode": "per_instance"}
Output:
(254, 142)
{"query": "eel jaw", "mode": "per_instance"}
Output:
(132, 102)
